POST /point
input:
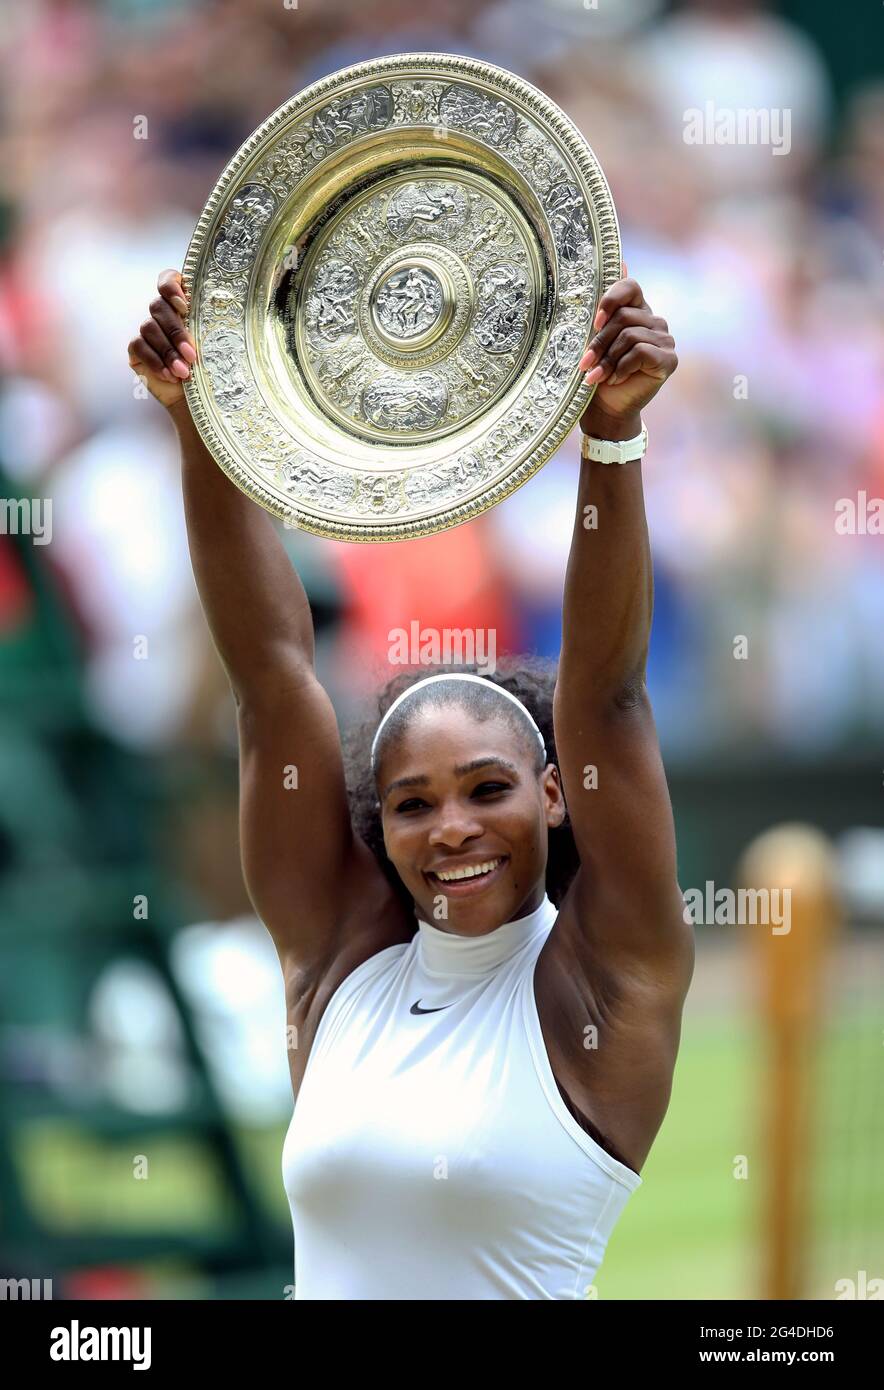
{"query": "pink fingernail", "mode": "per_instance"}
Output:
(166, 374)
(180, 368)
(601, 319)
(588, 356)
(595, 375)
(187, 352)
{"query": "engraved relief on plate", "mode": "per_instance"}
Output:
(471, 110)
(409, 302)
(223, 304)
(311, 480)
(562, 354)
(569, 221)
(223, 354)
(416, 101)
(242, 226)
(330, 307)
(502, 314)
(427, 208)
(354, 113)
(447, 481)
(405, 403)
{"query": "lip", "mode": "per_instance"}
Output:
(466, 887)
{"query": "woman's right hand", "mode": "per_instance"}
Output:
(164, 351)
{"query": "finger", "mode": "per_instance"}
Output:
(649, 358)
(154, 336)
(169, 321)
(142, 355)
(625, 341)
(171, 286)
(618, 297)
(623, 318)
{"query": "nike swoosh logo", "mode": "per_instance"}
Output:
(416, 1008)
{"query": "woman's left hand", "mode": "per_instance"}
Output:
(630, 355)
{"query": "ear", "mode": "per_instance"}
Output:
(555, 816)
(555, 797)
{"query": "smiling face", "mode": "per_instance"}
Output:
(459, 792)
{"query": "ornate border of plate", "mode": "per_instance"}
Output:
(441, 93)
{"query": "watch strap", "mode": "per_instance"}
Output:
(614, 450)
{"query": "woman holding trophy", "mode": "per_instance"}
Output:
(474, 1097)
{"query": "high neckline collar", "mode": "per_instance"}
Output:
(445, 953)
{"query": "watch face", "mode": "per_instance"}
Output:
(392, 285)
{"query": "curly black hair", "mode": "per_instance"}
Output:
(531, 679)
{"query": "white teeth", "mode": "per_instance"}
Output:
(470, 872)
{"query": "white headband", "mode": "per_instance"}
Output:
(458, 676)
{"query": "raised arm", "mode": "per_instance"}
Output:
(300, 858)
(615, 787)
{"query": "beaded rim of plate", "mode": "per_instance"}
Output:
(605, 236)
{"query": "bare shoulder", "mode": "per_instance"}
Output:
(373, 917)
(612, 1023)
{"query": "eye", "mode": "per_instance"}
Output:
(483, 789)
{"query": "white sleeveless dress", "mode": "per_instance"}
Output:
(430, 1154)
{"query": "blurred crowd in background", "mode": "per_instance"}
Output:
(765, 262)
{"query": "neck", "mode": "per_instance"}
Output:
(445, 951)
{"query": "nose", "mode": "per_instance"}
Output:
(454, 824)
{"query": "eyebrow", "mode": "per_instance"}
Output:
(460, 771)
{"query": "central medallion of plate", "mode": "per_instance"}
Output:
(416, 304)
(407, 305)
